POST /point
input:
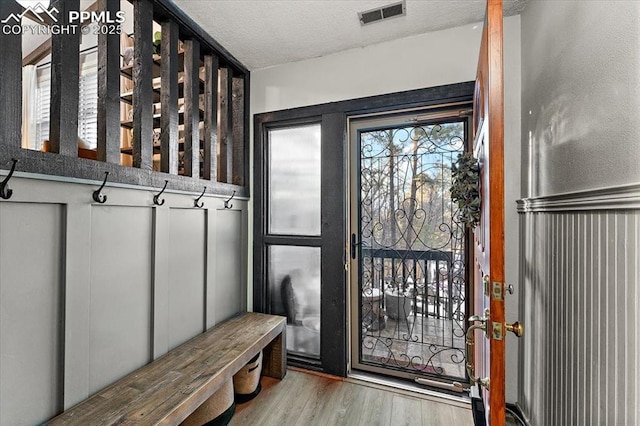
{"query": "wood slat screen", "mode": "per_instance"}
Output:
(189, 103)
(109, 90)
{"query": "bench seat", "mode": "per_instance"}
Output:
(170, 388)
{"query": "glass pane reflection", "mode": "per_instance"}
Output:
(294, 180)
(294, 287)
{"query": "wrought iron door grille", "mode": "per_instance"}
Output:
(412, 256)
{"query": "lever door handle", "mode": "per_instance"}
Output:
(470, 343)
(354, 244)
(478, 318)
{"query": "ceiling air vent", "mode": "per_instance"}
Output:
(382, 13)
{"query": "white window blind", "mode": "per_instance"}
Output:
(87, 105)
(43, 106)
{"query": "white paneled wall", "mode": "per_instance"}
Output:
(187, 257)
(580, 275)
(31, 311)
(119, 292)
(90, 292)
(229, 248)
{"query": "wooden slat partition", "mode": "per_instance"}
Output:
(238, 148)
(169, 99)
(225, 126)
(246, 97)
(191, 108)
(217, 153)
(142, 84)
(10, 82)
(109, 90)
(211, 64)
(65, 77)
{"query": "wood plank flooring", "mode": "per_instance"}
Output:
(307, 400)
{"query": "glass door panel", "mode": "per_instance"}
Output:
(294, 284)
(294, 180)
(293, 237)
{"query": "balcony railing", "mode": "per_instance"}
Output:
(426, 277)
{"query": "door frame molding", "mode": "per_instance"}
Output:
(334, 211)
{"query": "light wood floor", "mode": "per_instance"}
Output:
(307, 399)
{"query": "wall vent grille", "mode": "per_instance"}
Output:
(382, 13)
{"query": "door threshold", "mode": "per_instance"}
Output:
(408, 388)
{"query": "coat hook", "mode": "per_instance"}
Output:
(199, 205)
(227, 205)
(157, 196)
(5, 192)
(98, 196)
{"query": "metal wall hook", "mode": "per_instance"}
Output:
(199, 205)
(98, 196)
(157, 196)
(226, 202)
(5, 192)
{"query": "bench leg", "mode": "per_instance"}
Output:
(274, 363)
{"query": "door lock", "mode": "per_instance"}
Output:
(516, 328)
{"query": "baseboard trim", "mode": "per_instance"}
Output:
(624, 197)
(407, 388)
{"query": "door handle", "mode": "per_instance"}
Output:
(354, 243)
(516, 328)
(353, 246)
(470, 344)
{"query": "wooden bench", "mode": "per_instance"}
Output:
(170, 388)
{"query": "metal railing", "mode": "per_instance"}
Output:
(426, 277)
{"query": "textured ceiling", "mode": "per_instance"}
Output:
(264, 33)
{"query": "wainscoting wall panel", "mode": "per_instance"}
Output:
(187, 256)
(119, 293)
(31, 339)
(89, 292)
(580, 304)
(230, 247)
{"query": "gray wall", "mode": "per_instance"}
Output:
(580, 95)
(579, 225)
(581, 344)
(90, 292)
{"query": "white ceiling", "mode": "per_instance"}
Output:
(264, 33)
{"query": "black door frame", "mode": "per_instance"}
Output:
(334, 205)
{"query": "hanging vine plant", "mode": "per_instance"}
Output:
(465, 188)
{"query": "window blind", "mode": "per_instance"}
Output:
(43, 99)
(87, 105)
